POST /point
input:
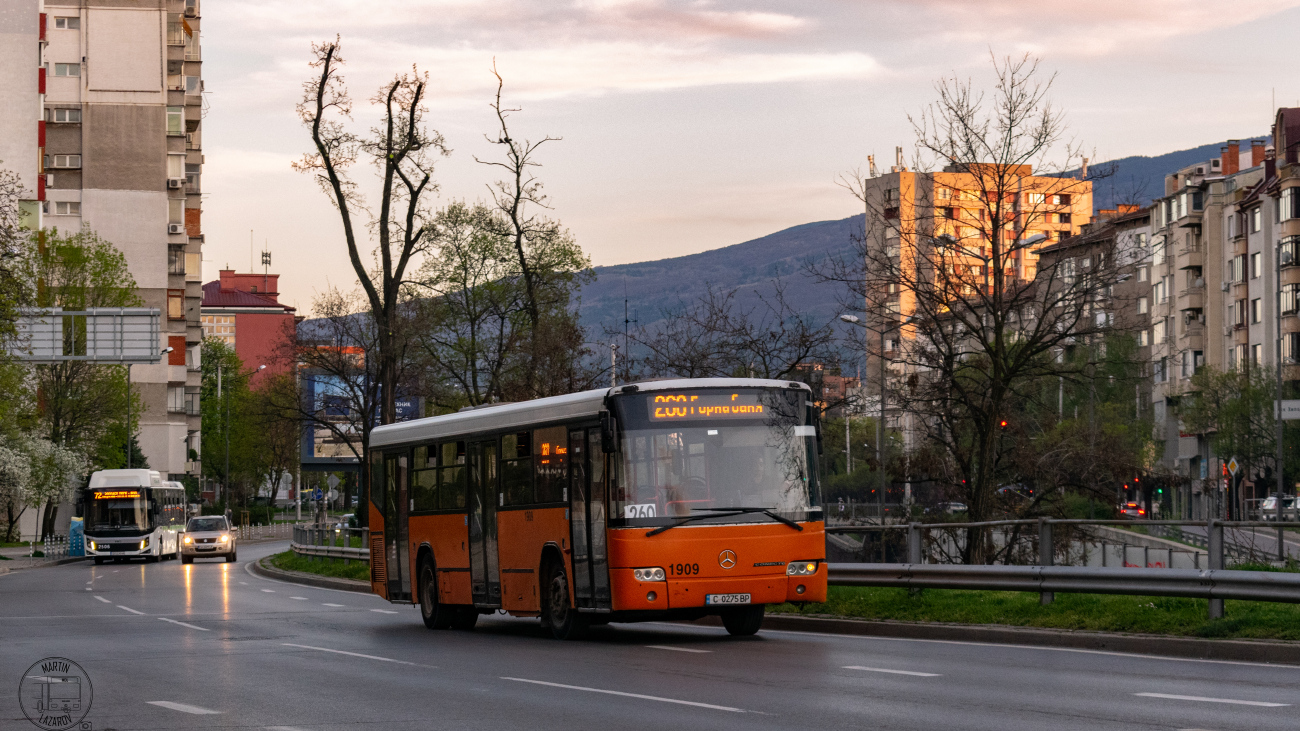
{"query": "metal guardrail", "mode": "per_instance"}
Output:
(327, 541)
(1209, 584)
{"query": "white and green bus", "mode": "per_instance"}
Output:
(133, 514)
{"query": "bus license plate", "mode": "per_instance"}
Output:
(712, 599)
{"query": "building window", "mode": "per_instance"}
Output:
(67, 208)
(67, 69)
(176, 166)
(221, 327)
(175, 304)
(176, 399)
(176, 210)
(1062, 218)
(175, 120)
(1256, 310)
(1142, 305)
(63, 161)
(1288, 205)
(193, 267)
(1142, 274)
(67, 23)
(175, 259)
(1256, 354)
(1144, 338)
(70, 116)
(1061, 200)
(1290, 347)
(1160, 370)
(192, 85)
(1256, 264)
(1290, 298)
(1158, 252)
(1254, 220)
(1237, 268)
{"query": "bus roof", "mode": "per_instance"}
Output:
(125, 478)
(501, 417)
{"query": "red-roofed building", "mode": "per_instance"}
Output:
(245, 311)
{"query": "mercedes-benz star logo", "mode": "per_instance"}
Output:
(727, 559)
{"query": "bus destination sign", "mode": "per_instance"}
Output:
(116, 494)
(698, 406)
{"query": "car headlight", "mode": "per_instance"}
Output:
(225, 538)
(801, 568)
(144, 544)
(650, 574)
(187, 540)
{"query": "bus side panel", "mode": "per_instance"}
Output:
(448, 537)
(378, 570)
(521, 536)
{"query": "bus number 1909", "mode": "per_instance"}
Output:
(683, 569)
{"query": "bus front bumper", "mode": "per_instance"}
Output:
(704, 592)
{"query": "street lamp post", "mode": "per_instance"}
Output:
(129, 433)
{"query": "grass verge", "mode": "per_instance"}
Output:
(290, 561)
(1097, 612)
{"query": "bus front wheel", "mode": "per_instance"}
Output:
(744, 621)
(435, 614)
(99, 560)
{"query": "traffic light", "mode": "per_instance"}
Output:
(1003, 423)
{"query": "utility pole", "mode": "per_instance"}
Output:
(1279, 257)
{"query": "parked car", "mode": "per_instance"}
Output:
(952, 508)
(1132, 510)
(1268, 508)
(208, 536)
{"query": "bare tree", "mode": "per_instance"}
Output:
(980, 321)
(403, 151)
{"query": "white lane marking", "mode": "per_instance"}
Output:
(628, 695)
(283, 728)
(892, 672)
(243, 583)
(345, 652)
(1203, 699)
(269, 591)
(89, 589)
(332, 605)
(132, 611)
(183, 624)
(102, 599)
(381, 611)
(677, 649)
(299, 598)
(183, 708)
(1009, 645)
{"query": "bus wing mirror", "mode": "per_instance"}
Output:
(608, 431)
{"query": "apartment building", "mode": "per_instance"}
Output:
(100, 113)
(244, 312)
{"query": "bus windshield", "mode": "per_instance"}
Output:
(702, 451)
(109, 511)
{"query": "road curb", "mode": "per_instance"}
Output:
(1187, 647)
(300, 577)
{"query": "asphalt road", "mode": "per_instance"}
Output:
(212, 646)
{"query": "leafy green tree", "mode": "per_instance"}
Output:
(231, 429)
(1235, 408)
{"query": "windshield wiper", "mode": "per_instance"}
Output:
(724, 512)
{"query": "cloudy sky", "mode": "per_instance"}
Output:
(697, 124)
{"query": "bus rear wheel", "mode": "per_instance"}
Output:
(743, 622)
(435, 614)
(557, 614)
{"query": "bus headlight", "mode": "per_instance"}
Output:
(144, 544)
(651, 574)
(93, 547)
(801, 568)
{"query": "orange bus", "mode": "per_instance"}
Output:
(673, 499)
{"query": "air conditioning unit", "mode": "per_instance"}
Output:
(191, 12)
(1225, 286)
(175, 183)
(175, 228)
(49, 180)
(1227, 330)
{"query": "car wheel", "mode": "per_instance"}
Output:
(563, 619)
(435, 614)
(187, 559)
(230, 557)
(744, 621)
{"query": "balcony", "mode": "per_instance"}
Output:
(176, 35)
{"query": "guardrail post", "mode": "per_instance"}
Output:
(347, 543)
(914, 543)
(1215, 557)
(1045, 555)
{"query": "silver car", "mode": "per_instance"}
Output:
(207, 536)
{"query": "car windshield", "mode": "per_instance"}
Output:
(117, 511)
(706, 451)
(205, 524)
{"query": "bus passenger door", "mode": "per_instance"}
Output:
(578, 536)
(396, 541)
(485, 572)
(598, 517)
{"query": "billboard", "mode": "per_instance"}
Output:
(329, 438)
